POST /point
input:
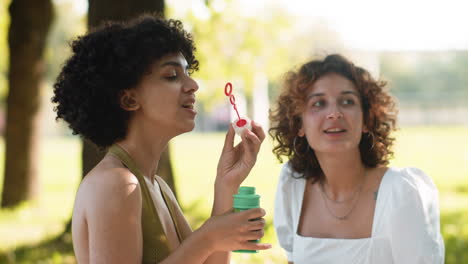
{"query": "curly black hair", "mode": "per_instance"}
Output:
(378, 107)
(105, 62)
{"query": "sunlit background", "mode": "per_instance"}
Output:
(419, 47)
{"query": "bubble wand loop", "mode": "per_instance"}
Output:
(241, 122)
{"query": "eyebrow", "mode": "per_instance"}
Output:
(351, 92)
(322, 94)
(314, 95)
(174, 63)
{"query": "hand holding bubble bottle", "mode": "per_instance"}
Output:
(246, 199)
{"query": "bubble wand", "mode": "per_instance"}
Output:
(241, 123)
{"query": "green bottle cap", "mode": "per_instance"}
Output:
(246, 198)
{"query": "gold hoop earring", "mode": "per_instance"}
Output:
(294, 145)
(295, 149)
(373, 139)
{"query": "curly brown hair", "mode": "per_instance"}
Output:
(378, 107)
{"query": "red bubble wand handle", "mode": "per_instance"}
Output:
(228, 92)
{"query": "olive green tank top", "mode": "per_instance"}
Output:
(155, 244)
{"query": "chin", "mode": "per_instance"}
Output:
(338, 147)
(187, 128)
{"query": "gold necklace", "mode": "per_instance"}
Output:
(357, 191)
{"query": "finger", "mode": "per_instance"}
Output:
(251, 136)
(239, 148)
(253, 213)
(251, 142)
(256, 224)
(253, 225)
(229, 140)
(254, 235)
(258, 130)
(255, 246)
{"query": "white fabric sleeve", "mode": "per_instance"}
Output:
(415, 222)
(282, 219)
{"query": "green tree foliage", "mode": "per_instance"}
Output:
(67, 25)
(4, 23)
(234, 46)
(430, 79)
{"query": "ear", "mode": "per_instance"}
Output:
(128, 100)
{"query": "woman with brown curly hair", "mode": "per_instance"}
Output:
(337, 201)
(127, 88)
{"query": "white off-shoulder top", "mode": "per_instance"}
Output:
(405, 229)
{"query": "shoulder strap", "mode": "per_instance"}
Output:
(170, 205)
(155, 245)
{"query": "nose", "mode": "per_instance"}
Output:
(335, 113)
(190, 85)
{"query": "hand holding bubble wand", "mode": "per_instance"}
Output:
(241, 123)
(246, 198)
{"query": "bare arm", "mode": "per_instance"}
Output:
(113, 215)
(113, 203)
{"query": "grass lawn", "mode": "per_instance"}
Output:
(442, 152)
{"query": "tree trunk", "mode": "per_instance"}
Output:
(30, 24)
(99, 11)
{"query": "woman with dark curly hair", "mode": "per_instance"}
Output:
(337, 201)
(127, 88)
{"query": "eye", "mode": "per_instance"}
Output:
(348, 101)
(171, 73)
(172, 77)
(318, 103)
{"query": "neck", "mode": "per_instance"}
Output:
(145, 144)
(343, 172)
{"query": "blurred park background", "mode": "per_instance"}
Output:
(419, 47)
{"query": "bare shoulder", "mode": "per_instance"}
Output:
(109, 177)
(109, 185)
(107, 208)
(107, 215)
